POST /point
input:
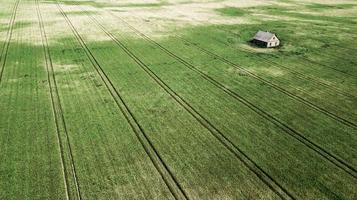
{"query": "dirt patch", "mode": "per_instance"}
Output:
(271, 71)
(64, 68)
(158, 21)
(250, 48)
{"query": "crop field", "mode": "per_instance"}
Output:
(168, 99)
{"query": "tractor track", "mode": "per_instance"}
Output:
(168, 177)
(339, 56)
(259, 78)
(57, 111)
(5, 49)
(315, 81)
(337, 45)
(310, 78)
(275, 86)
(338, 162)
(248, 162)
(306, 59)
(327, 66)
(300, 75)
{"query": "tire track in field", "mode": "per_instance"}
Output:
(259, 78)
(58, 112)
(338, 162)
(163, 169)
(248, 162)
(303, 76)
(306, 59)
(275, 86)
(334, 55)
(294, 72)
(345, 48)
(341, 92)
(327, 66)
(5, 48)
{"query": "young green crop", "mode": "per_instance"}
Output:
(98, 105)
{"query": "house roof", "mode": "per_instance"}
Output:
(264, 36)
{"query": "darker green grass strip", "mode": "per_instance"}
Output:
(5, 48)
(233, 11)
(67, 158)
(169, 178)
(324, 7)
(249, 163)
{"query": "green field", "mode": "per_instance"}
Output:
(168, 99)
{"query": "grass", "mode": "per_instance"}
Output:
(170, 128)
(145, 5)
(154, 117)
(108, 4)
(321, 7)
(80, 13)
(30, 161)
(121, 165)
(17, 25)
(87, 2)
(242, 134)
(294, 12)
(118, 153)
(232, 11)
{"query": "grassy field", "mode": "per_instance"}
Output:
(167, 99)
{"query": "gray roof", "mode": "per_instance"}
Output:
(263, 36)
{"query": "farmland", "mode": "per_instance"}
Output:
(167, 99)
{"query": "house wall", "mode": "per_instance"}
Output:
(260, 43)
(273, 43)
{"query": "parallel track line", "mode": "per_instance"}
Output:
(327, 66)
(296, 73)
(57, 110)
(277, 87)
(248, 162)
(270, 83)
(286, 128)
(169, 178)
(5, 49)
(306, 59)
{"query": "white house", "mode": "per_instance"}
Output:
(266, 39)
